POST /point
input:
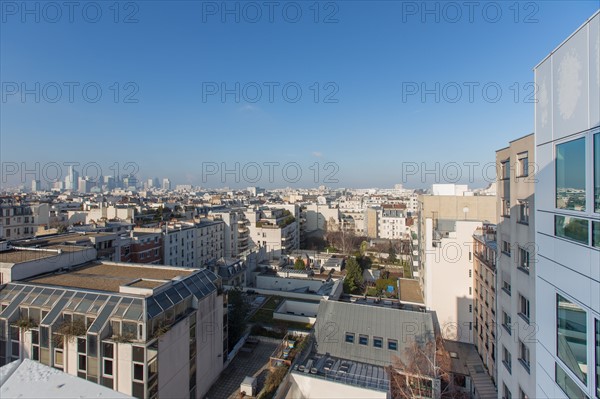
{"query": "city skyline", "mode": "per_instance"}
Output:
(364, 91)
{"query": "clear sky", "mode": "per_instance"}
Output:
(361, 67)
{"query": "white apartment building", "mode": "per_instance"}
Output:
(19, 221)
(567, 271)
(392, 222)
(445, 261)
(516, 266)
(236, 230)
(210, 241)
(449, 265)
(275, 229)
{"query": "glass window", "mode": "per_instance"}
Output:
(378, 342)
(568, 386)
(523, 164)
(571, 228)
(524, 307)
(350, 338)
(570, 175)
(524, 354)
(596, 234)
(505, 169)
(505, 207)
(571, 339)
(506, 392)
(597, 172)
(506, 359)
(138, 372)
(82, 362)
(597, 358)
(108, 367)
(392, 344)
(523, 259)
(523, 211)
(363, 339)
(58, 358)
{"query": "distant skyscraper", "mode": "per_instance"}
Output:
(166, 184)
(150, 183)
(36, 185)
(72, 179)
(109, 181)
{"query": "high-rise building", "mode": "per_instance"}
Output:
(567, 212)
(71, 179)
(515, 282)
(166, 184)
(36, 185)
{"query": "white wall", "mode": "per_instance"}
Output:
(306, 386)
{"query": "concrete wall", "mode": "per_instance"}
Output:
(302, 312)
(14, 272)
(286, 284)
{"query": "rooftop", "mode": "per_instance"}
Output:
(30, 379)
(410, 291)
(108, 276)
(345, 371)
(25, 255)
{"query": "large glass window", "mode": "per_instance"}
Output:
(596, 234)
(571, 339)
(597, 172)
(568, 386)
(597, 358)
(570, 175)
(571, 228)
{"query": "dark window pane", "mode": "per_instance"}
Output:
(392, 344)
(350, 338)
(82, 362)
(569, 386)
(571, 337)
(570, 175)
(363, 340)
(81, 345)
(138, 390)
(378, 342)
(597, 174)
(36, 353)
(571, 228)
(596, 234)
(108, 349)
(108, 367)
(138, 354)
(138, 372)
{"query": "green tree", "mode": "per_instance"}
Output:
(363, 248)
(299, 264)
(236, 317)
(354, 279)
(392, 253)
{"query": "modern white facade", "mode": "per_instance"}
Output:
(567, 130)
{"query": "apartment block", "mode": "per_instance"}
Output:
(484, 288)
(236, 233)
(22, 220)
(142, 247)
(273, 228)
(516, 264)
(146, 331)
(567, 212)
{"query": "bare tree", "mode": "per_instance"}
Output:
(425, 373)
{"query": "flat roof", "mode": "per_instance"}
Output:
(410, 291)
(26, 255)
(107, 276)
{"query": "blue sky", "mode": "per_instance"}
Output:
(373, 134)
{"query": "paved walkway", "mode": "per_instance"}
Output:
(253, 364)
